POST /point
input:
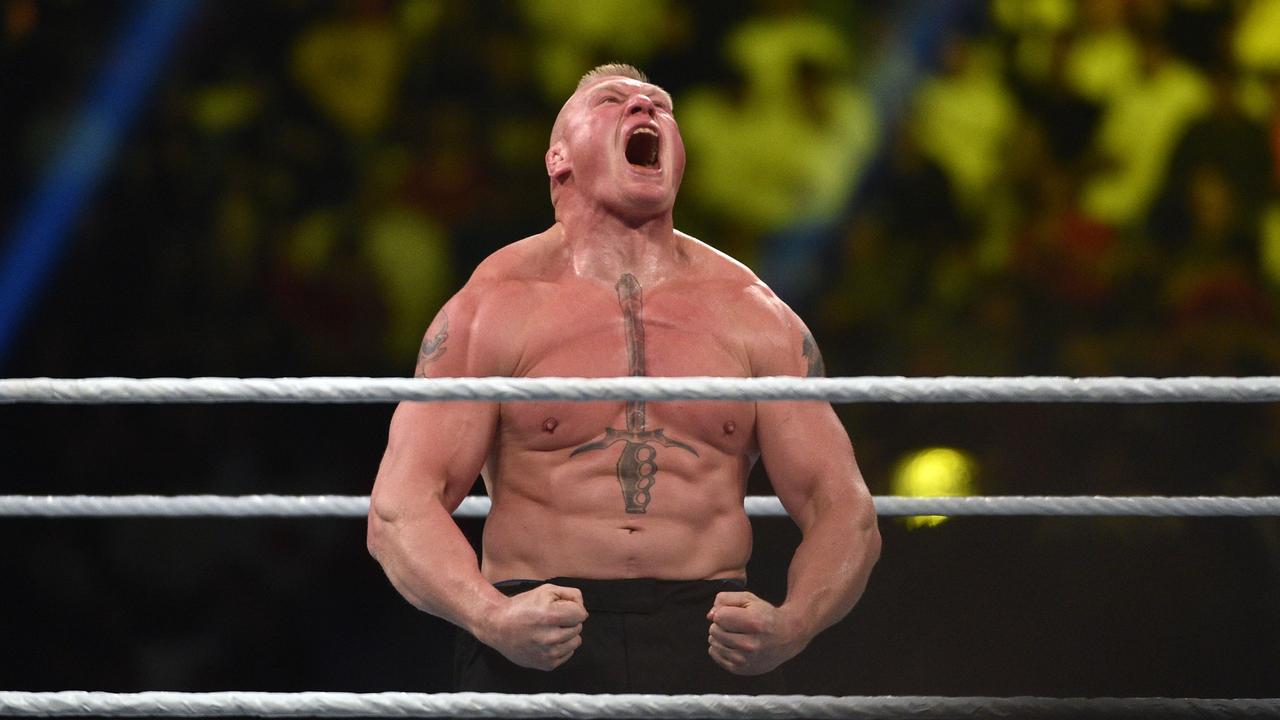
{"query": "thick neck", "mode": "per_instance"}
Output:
(605, 246)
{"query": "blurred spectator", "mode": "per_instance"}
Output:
(787, 142)
(908, 217)
(1256, 42)
(779, 153)
(1034, 27)
(1270, 242)
(1198, 30)
(1138, 133)
(1066, 259)
(1218, 155)
(1104, 59)
(964, 118)
(350, 68)
(1218, 308)
(1066, 118)
(409, 255)
(577, 34)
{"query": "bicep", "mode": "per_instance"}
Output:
(804, 446)
(434, 450)
(807, 455)
(437, 449)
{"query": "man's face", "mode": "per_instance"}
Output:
(622, 145)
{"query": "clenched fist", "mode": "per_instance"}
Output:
(749, 636)
(538, 629)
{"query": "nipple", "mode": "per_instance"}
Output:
(549, 425)
(729, 427)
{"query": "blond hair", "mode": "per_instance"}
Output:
(611, 70)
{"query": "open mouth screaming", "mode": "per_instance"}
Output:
(642, 148)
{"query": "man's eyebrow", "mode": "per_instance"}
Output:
(619, 87)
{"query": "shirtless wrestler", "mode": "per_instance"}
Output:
(628, 503)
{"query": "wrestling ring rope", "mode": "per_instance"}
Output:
(569, 705)
(865, 389)
(245, 506)
(503, 389)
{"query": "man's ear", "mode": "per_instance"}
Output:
(557, 160)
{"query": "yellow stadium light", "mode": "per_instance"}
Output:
(934, 472)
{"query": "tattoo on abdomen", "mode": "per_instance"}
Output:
(638, 464)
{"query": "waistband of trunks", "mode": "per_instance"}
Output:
(632, 595)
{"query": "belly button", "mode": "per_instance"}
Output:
(729, 427)
(549, 425)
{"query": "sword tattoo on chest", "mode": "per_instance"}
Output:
(638, 464)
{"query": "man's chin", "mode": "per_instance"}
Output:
(647, 191)
(646, 202)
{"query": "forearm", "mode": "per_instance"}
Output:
(830, 568)
(430, 562)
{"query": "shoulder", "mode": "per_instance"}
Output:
(775, 338)
(515, 272)
(532, 258)
(482, 322)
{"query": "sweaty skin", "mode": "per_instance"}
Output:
(618, 489)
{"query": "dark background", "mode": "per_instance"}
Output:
(254, 223)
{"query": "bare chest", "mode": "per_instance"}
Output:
(673, 333)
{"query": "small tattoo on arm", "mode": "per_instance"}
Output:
(433, 346)
(812, 357)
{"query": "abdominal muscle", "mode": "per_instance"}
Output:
(556, 517)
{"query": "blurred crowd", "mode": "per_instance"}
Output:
(1085, 188)
(1051, 186)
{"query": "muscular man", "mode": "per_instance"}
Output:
(615, 552)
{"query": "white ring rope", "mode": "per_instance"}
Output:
(494, 705)
(244, 506)
(503, 389)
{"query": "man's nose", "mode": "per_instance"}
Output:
(640, 103)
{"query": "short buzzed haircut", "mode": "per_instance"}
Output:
(611, 70)
(594, 74)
